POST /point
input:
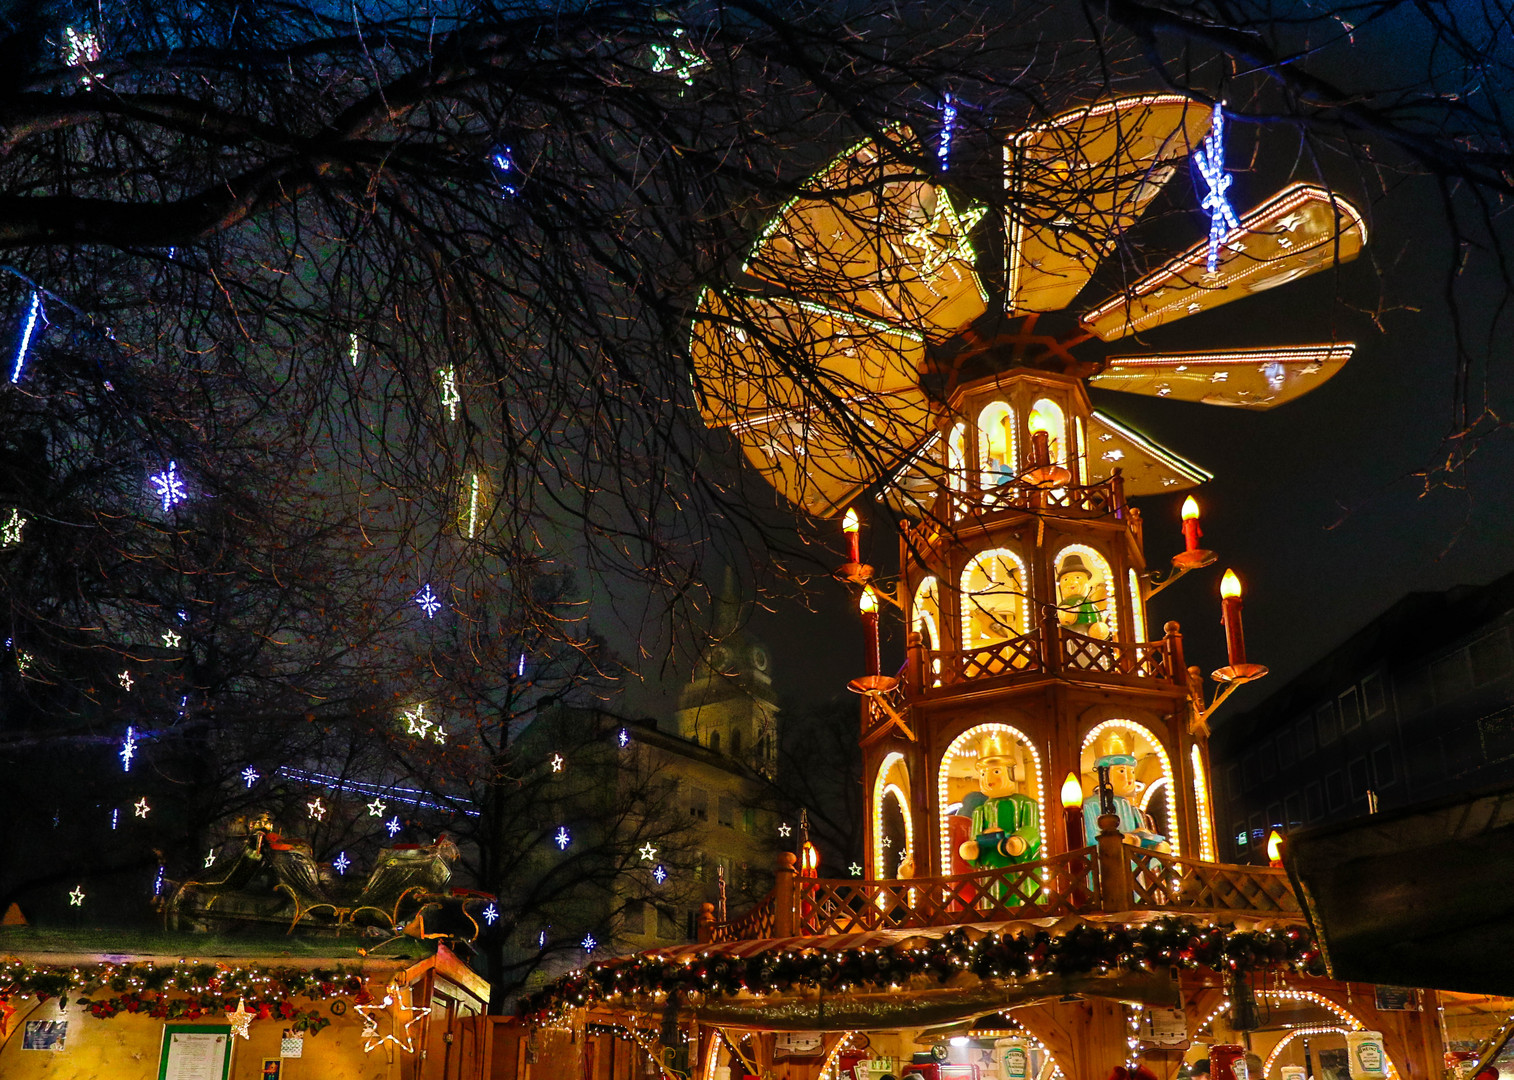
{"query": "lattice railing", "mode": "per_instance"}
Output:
(954, 506)
(1013, 656)
(757, 923)
(1142, 659)
(1158, 880)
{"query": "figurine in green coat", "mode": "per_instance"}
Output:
(1006, 825)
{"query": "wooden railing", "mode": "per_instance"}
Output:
(1071, 654)
(1110, 877)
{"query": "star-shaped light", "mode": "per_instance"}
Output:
(390, 1020)
(171, 640)
(416, 722)
(240, 1019)
(562, 839)
(76, 896)
(623, 737)
(855, 869)
(660, 873)
(317, 808)
(141, 807)
(439, 735)
(210, 858)
(251, 775)
(23, 661)
(784, 829)
(557, 762)
(170, 487)
(428, 601)
(393, 825)
(125, 680)
(648, 852)
(340, 863)
(451, 399)
(589, 943)
(10, 532)
(377, 808)
(128, 749)
(491, 913)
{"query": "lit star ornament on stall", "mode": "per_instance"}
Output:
(241, 1019)
(389, 1021)
(817, 357)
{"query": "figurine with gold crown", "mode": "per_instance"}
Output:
(1134, 822)
(1006, 825)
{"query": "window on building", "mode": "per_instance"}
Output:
(699, 804)
(1452, 675)
(715, 741)
(1491, 660)
(634, 919)
(1274, 817)
(1350, 710)
(1242, 837)
(1293, 810)
(1325, 721)
(1266, 761)
(1314, 802)
(1360, 777)
(1384, 775)
(1303, 737)
(1496, 731)
(736, 744)
(1284, 741)
(1335, 791)
(726, 814)
(1374, 701)
(1415, 693)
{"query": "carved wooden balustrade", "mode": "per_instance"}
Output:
(1109, 877)
(1028, 655)
(955, 509)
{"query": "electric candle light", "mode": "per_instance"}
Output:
(869, 606)
(1230, 616)
(1072, 811)
(1191, 530)
(852, 526)
(1274, 849)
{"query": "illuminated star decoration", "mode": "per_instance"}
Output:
(76, 896)
(1210, 159)
(397, 1016)
(125, 680)
(128, 749)
(353, 351)
(317, 809)
(141, 807)
(491, 913)
(506, 175)
(623, 737)
(170, 487)
(557, 762)
(677, 59)
(562, 839)
(340, 863)
(377, 808)
(157, 884)
(855, 869)
(589, 943)
(416, 722)
(393, 825)
(660, 873)
(948, 130)
(10, 532)
(28, 328)
(251, 775)
(784, 828)
(23, 661)
(451, 399)
(210, 858)
(171, 640)
(240, 1019)
(428, 601)
(541, 940)
(648, 852)
(115, 817)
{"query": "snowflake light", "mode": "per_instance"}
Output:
(948, 131)
(125, 680)
(250, 776)
(451, 399)
(506, 174)
(377, 808)
(317, 808)
(157, 884)
(393, 825)
(428, 601)
(660, 873)
(1210, 159)
(141, 807)
(10, 531)
(562, 839)
(589, 943)
(623, 737)
(115, 818)
(128, 749)
(76, 896)
(648, 852)
(491, 913)
(28, 328)
(340, 863)
(170, 486)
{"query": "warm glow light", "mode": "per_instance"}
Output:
(1072, 792)
(1190, 508)
(868, 601)
(1230, 585)
(850, 523)
(1274, 847)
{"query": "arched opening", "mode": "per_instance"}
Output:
(1201, 803)
(959, 777)
(956, 459)
(926, 621)
(1140, 772)
(994, 598)
(1085, 594)
(1046, 415)
(1137, 609)
(1083, 473)
(735, 743)
(1289, 1017)
(996, 445)
(715, 741)
(893, 824)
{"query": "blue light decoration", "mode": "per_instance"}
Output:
(128, 749)
(948, 109)
(491, 913)
(393, 825)
(562, 839)
(589, 943)
(520, 667)
(660, 874)
(170, 487)
(1210, 159)
(623, 737)
(115, 817)
(28, 327)
(251, 776)
(340, 863)
(157, 885)
(541, 940)
(506, 172)
(428, 601)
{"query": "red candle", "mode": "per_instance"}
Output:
(869, 606)
(853, 529)
(1040, 448)
(1230, 616)
(1191, 530)
(1072, 812)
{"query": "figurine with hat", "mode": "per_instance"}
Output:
(1080, 599)
(1115, 754)
(1006, 825)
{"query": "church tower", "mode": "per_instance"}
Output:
(729, 705)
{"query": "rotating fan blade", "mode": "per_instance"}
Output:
(1147, 467)
(872, 235)
(822, 402)
(1244, 378)
(1078, 181)
(1299, 231)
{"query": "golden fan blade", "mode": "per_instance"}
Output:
(873, 235)
(1078, 181)
(1148, 468)
(1299, 231)
(1243, 378)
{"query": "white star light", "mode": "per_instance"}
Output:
(562, 839)
(491, 913)
(251, 775)
(1210, 158)
(855, 869)
(128, 749)
(377, 808)
(393, 825)
(76, 896)
(10, 532)
(125, 680)
(171, 640)
(416, 722)
(399, 1013)
(317, 809)
(141, 807)
(784, 829)
(170, 487)
(210, 858)
(353, 351)
(557, 762)
(451, 399)
(648, 852)
(340, 863)
(660, 874)
(240, 1019)
(428, 601)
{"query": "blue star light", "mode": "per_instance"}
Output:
(541, 940)
(623, 737)
(340, 863)
(491, 913)
(28, 328)
(428, 601)
(506, 174)
(250, 775)
(157, 885)
(128, 749)
(1210, 159)
(393, 825)
(948, 131)
(589, 943)
(562, 839)
(170, 487)
(660, 874)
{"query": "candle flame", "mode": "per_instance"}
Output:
(1274, 847)
(1230, 585)
(851, 523)
(868, 601)
(1072, 792)
(1190, 508)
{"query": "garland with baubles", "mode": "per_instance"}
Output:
(1082, 950)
